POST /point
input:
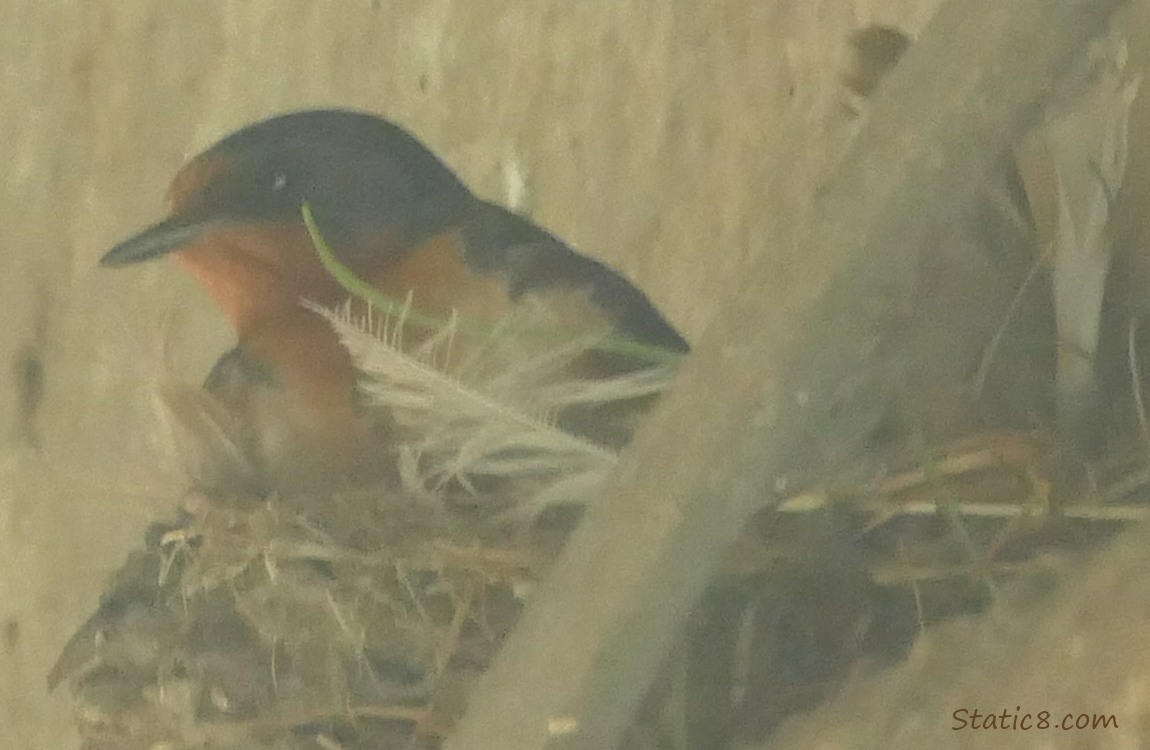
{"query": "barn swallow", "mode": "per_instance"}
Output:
(394, 215)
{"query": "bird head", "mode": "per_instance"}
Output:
(363, 176)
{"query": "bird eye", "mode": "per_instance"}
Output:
(279, 183)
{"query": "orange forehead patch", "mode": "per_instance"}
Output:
(192, 178)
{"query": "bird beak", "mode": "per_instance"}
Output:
(167, 236)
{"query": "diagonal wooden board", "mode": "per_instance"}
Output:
(777, 388)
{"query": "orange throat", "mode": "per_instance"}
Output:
(258, 272)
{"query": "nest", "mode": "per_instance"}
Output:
(362, 619)
(358, 618)
(264, 627)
